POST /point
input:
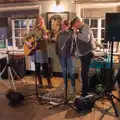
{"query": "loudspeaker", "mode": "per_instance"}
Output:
(17, 63)
(15, 98)
(112, 27)
(85, 103)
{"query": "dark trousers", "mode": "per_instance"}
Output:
(85, 64)
(46, 71)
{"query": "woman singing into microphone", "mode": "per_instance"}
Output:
(63, 48)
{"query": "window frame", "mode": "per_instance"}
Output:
(27, 28)
(99, 28)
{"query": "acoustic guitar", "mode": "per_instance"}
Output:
(31, 45)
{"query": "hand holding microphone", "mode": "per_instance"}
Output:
(74, 29)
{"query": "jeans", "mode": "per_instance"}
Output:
(85, 64)
(70, 69)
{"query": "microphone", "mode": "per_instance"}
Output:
(38, 39)
(74, 31)
(77, 31)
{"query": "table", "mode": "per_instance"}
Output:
(100, 64)
(3, 56)
(102, 73)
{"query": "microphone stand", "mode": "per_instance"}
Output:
(66, 82)
(35, 76)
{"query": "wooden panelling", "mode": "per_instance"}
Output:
(3, 21)
(96, 12)
(20, 14)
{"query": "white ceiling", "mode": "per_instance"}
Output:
(71, 1)
(93, 1)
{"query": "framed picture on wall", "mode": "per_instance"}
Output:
(53, 16)
(54, 21)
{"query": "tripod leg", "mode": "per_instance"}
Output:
(12, 80)
(1, 75)
(9, 78)
(16, 75)
(116, 98)
(2, 72)
(102, 116)
(113, 104)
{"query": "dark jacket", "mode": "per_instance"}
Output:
(63, 44)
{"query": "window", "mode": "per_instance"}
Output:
(103, 23)
(98, 27)
(20, 28)
(93, 23)
(86, 21)
(102, 30)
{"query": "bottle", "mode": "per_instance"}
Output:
(99, 88)
(2, 39)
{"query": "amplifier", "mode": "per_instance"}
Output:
(17, 63)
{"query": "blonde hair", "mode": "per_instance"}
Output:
(37, 22)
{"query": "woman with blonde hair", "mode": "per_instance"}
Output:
(40, 58)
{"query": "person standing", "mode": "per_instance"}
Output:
(83, 46)
(40, 58)
(63, 47)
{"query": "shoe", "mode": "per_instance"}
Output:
(50, 86)
(40, 86)
(72, 90)
(114, 88)
(78, 96)
(84, 95)
(63, 88)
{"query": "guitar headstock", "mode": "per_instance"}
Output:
(33, 35)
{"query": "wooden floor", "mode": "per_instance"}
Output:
(33, 111)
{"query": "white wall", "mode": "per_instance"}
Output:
(46, 5)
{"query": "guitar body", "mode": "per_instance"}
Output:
(30, 50)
